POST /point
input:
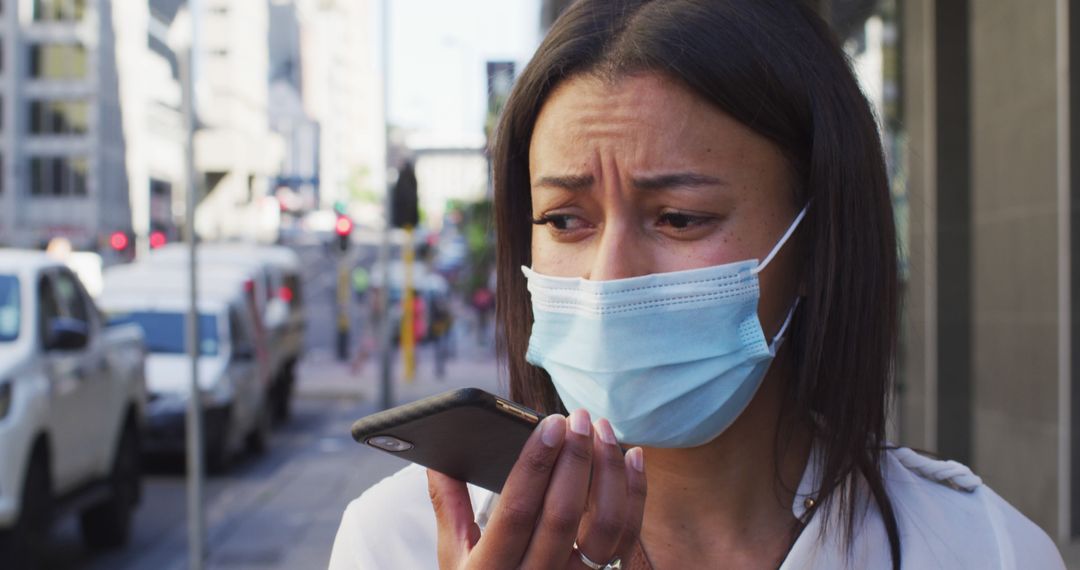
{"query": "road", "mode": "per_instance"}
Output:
(281, 509)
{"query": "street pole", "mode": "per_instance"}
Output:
(384, 326)
(408, 338)
(181, 36)
(343, 307)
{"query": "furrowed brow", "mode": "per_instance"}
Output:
(676, 180)
(571, 182)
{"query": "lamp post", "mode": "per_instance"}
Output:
(181, 36)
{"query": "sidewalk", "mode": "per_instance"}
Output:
(290, 522)
(320, 375)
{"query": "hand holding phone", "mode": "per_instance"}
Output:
(572, 500)
(469, 434)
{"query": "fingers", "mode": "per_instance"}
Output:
(458, 531)
(606, 515)
(514, 519)
(636, 490)
(564, 502)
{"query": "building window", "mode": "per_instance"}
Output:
(59, 10)
(59, 117)
(57, 61)
(58, 176)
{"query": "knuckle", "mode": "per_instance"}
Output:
(638, 488)
(538, 462)
(614, 462)
(560, 522)
(519, 518)
(606, 527)
(577, 453)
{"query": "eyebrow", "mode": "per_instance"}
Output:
(574, 183)
(676, 180)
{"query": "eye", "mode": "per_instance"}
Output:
(560, 222)
(680, 221)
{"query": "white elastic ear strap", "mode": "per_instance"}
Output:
(779, 337)
(783, 239)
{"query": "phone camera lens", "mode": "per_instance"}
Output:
(389, 443)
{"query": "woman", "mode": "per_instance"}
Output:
(650, 155)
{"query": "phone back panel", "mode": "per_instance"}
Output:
(463, 434)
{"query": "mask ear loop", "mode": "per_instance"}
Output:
(783, 239)
(778, 338)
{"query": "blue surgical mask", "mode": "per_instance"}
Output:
(670, 359)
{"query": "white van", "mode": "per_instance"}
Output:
(233, 371)
(275, 281)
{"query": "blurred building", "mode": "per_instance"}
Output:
(342, 91)
(63, 143)
(449, 169)
(236, 152)
(298, 184)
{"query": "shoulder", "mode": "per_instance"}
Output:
(949, 518)
(391, 525)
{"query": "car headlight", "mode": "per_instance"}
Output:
(5, 398)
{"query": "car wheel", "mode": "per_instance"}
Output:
(283, 397)
(216, 449)
(258, 441)
(24, 545)
(108, 524)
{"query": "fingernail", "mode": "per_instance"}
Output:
(579, 422)
(551, 430)
(637, 459)
(603, 427)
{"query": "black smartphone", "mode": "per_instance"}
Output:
(468, 434)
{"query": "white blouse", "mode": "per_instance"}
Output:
(947, 519)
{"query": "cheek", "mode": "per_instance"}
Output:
(557, 259)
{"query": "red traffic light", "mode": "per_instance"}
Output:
(157, 239)
(344, 226)
(118, 241)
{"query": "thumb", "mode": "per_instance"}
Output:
(458, 532)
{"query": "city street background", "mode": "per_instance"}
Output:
(282, 510)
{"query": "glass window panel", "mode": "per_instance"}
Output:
(57, 61)
(57, 184)
(37, 176)
(80, 168)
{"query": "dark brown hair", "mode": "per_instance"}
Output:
(774, 66)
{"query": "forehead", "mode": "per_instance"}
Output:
(650, 121)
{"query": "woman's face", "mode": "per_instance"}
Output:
(642, 176)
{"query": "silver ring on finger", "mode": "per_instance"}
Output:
(614, 564)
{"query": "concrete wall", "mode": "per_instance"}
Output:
(984, 170)
(1015, 236)
(917, 379)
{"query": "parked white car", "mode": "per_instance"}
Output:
(234, 381)
(72, 400)
(275, 284)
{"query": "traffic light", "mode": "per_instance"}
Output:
(343, 228)
(404, 206)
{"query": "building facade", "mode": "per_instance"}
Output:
(236, 152)
(62, 155)
(342, 86)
